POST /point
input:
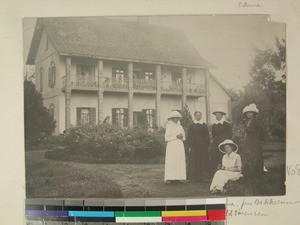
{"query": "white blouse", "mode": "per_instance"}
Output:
(172, 130)
(232, 161)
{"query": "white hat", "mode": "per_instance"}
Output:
(250, 108)
(219, 111)
(174, 114)
(227, 142)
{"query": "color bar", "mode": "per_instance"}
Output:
(91, 214)
(216, 214)
(184, 218)
(183, 213)
(138, 214)
(138, 219)
(46, 213)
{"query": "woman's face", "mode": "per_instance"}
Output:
(175, 120)
(198, 116)
(249, 115)
(219, 116)
(228, 149)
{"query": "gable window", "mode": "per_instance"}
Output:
(52, 75)
(41, 79)
(86, 116)
(120, 116)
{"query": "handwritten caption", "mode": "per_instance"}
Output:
(247, 4)
(293, 170)
(250, 207)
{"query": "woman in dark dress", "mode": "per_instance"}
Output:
(252, 155)
(221, 130)
(197, 143)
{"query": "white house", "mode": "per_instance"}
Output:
(91, 68)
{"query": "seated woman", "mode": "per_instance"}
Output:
(231, 166)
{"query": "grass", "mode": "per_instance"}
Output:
(47, 178)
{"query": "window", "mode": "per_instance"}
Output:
(85, 70)
(149, 76)
(86, 116)
(120, 117)
(52, 75)
(149, 116)
(176, 77)
(119, 75)
(51, 111)
(41, 79)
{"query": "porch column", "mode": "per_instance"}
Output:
(130, 94)
(68, 94)
(207, 98)
(158, 94)
(184, 86)
(100, 91)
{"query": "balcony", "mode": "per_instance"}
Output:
(81, 81)
(171, 86)
(121, 83)
(196, 89)
(142, 84)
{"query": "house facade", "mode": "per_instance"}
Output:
(94, 69)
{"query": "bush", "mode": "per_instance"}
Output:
(110, 143)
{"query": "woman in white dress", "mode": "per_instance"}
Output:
(231, 166)
(175, 164)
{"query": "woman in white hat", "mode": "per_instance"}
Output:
(221, 130)
(175, 164)
(252, 150)
(231, 166)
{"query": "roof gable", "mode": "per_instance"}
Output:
(105, 38)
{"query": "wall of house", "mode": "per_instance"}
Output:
(55, 101)
(43, 59)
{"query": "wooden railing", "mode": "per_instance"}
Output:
(142, 84)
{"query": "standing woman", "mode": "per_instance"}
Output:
(221, 130)
(252, 149)
(198, 142)
(175, 166)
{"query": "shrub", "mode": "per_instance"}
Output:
(110, 143)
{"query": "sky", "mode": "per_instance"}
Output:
(226, 41)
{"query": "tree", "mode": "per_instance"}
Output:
(268, 94)
(37, 119)
(186, 119)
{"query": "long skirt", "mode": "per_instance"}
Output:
(175, 164)
(221, 177)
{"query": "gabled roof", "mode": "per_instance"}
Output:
(107, 38)
(222, 86)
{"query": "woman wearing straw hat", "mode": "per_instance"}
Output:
(221, 130)
(175, 165)
(231, 166)
(197, 142)
(252, 149)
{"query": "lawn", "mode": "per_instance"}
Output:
(46, 178)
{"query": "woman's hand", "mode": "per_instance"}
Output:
(179, 136)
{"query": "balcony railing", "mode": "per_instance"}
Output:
(142, 84)
(194, 88)
(81, 81)
(120, 83)
(171, 86)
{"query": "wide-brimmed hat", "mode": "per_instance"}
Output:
(250, 108)
(219, 111)
(174, 114)
(228, 142)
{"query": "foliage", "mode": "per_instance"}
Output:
(268, 94)
(110, 143)
(37, 119)
(186, 119)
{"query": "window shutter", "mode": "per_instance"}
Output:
(125, 118)
(78, 115)
(154, 125)
(144, 117)
(113, 113)
(53, 75)
(49, 77)
(93, 115)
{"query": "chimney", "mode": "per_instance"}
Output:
(143, 20)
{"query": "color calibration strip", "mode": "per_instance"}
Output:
(127, 211)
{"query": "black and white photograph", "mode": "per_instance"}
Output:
(170, 106)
